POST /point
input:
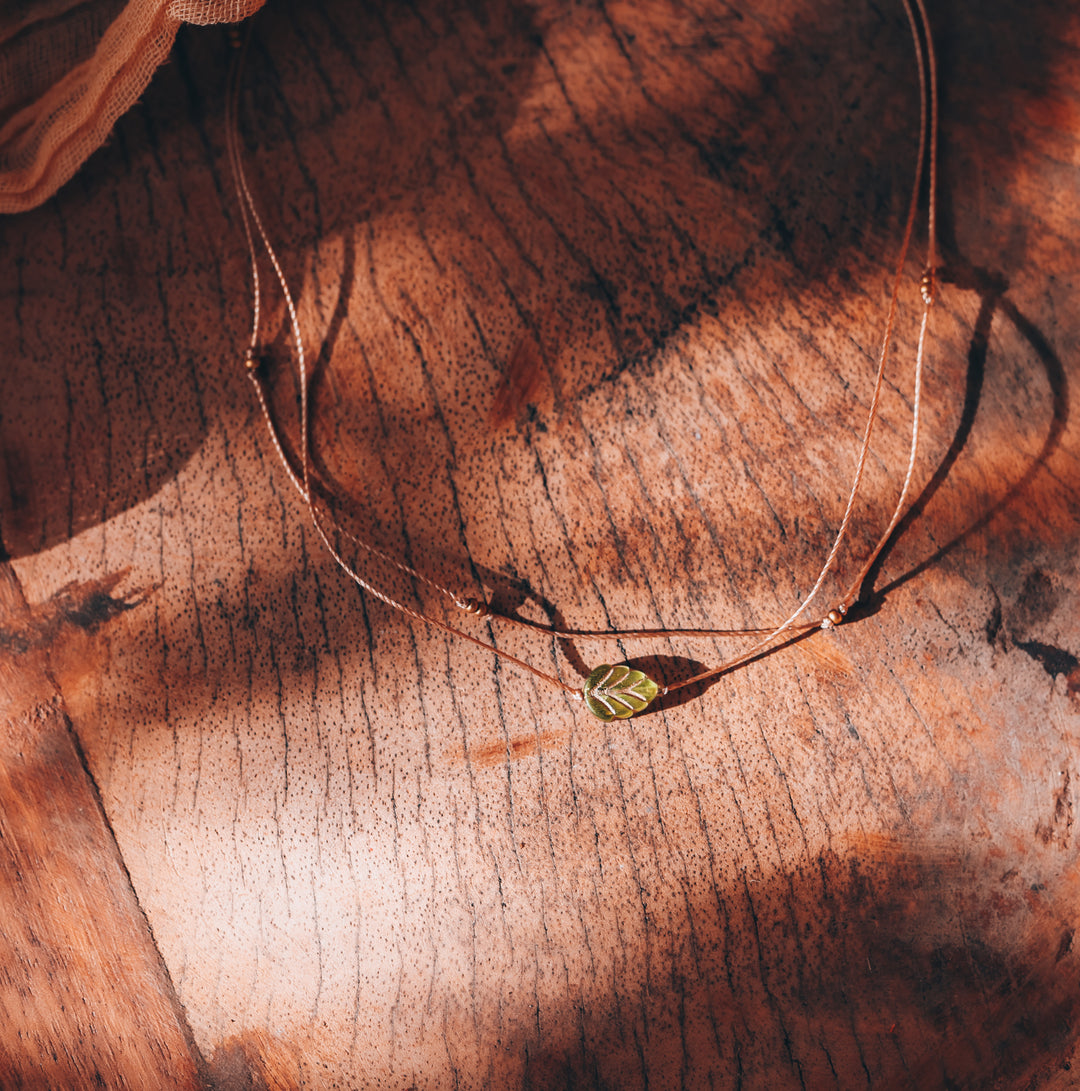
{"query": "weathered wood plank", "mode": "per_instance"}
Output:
(84, 998)
(593, 294)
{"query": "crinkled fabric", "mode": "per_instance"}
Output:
(69, 69)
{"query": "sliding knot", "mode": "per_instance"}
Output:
(473, 606)
(928, 285)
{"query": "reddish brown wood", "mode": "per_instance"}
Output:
(84, 999)
(592, 295)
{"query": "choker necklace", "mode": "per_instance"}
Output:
(610, 691)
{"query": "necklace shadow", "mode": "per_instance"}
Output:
(992, 289)
(671, 672)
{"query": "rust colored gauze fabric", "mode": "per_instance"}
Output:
(69, 69)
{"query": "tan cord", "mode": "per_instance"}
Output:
(927, 286)
(928, 290)
(253, 225)
(302, 482)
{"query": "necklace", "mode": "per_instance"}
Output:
(610, 691)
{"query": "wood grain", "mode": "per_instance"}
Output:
(593, 294)
(84, 999)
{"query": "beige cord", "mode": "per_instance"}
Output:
(928, 289)
(253, 226)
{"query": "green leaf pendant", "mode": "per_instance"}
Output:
(616, 693)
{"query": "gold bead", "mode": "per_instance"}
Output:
(474, 607)
(928, 285)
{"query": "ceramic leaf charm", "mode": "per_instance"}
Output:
(616, 693)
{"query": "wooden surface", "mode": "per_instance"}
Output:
(83, 995)
(593, 294)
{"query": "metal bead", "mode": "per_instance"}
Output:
(474, 607)
(928, 285)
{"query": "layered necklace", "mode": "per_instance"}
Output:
(611, 691)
